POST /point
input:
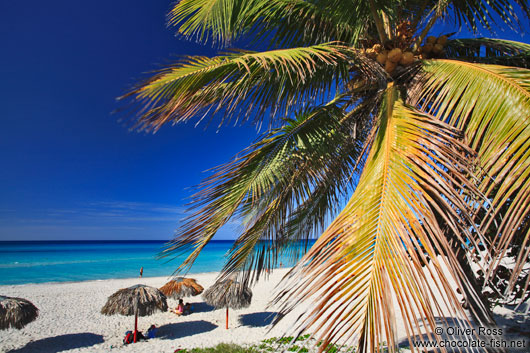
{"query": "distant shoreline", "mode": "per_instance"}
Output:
(28, 262)
(149, 278)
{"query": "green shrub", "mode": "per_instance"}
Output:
(222, 348)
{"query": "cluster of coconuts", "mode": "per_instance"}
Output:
(433, 47)
(390, 59)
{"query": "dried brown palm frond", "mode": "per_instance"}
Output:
(16, 312)
(124, 301)
(492, 109)
(181, 287)
(228, 294)
(368, 253)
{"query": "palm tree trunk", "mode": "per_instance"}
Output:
(135, 320)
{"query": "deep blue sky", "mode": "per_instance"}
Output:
(68, 168)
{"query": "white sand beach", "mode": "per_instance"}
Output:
(70, 319)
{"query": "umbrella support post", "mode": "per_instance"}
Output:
(135, 322)
(135, 326)
(227, 318)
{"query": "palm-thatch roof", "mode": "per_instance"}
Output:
(124, 301)
(16, 312)
(228, 294)
(181, 287)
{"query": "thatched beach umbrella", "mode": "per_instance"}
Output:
(16, 312)
(138, 300)
(228, 294)
(181, 287)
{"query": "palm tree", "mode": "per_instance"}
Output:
(400, 152)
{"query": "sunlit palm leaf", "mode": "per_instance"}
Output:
(492, 105)
(296, 22)
(368, 252)
(247, 84)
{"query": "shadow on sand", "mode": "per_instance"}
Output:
(61, 343)
(260, 319)
(184, 329)
(440, 322)
(515, 325)
(202, 307)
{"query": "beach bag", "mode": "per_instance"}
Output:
(129, 337)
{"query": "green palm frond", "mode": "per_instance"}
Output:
(368, 252)
(296, 22)
(489, 51)
(491, 104)
(475, 13)
(265, 184)
(299, 204)
(247, 83)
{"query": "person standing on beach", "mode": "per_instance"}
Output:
(141, 271)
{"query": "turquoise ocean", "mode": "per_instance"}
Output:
(66, 261)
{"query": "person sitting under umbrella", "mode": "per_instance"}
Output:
(179, 310)
(188, 309)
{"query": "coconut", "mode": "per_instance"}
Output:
(370, 53)
(442, 40)
(427, 48)
(395, 55)
(381, 57)
(437, 48)
(390, 66)
(431, 39)
(407, 58)
(377, 48)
